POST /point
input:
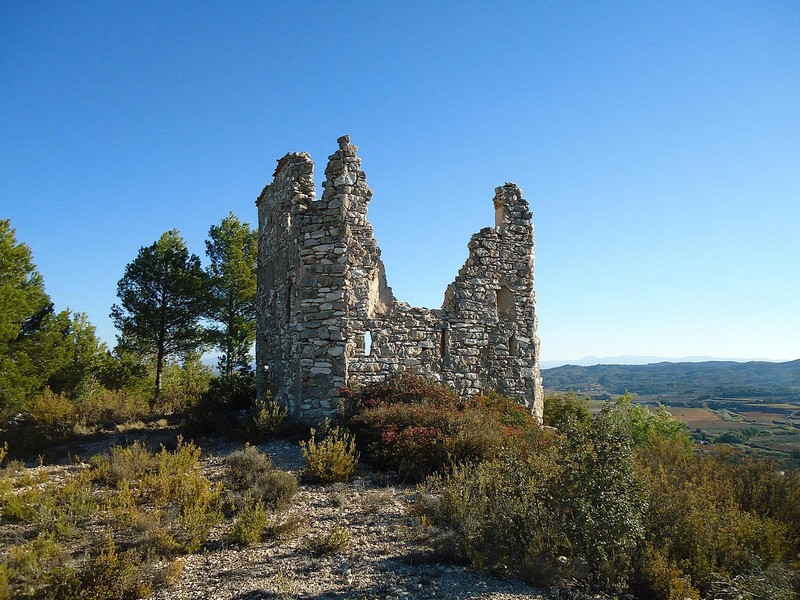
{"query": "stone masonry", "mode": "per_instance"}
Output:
(327, 318)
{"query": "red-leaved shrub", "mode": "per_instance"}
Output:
(415, 426)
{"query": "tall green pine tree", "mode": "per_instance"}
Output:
(232, 249)
(162, 299)
(32, 335)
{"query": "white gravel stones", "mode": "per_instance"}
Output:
(378, 563)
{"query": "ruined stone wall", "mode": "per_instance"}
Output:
(327, 317)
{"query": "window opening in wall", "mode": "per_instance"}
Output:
(367, 343)
(500, 213)
(512, 345)
(506, 306)
(443, 344)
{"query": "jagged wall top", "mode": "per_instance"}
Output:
(327, 316)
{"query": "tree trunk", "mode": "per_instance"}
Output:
(159, 368)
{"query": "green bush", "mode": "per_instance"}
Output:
(252, 471)
(334, 458)
(571, 495)
(123, 464)
(183, 385)
(662, 579)
(242, 467)
(250, 524)
(40, 569)
(270, 418)
(216, 410)
(181, 504)
(646, 427)
(714, 517)
(56, 414)
(563, 410)
(104, 407)
(330, 543)
(731, 437)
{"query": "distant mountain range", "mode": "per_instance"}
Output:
(630, 359)
(716, 378)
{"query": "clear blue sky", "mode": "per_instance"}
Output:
(657, 142)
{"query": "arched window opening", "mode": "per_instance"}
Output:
(443, 343)
(367, 343)
(506, 305)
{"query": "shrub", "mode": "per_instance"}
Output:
(761, 487)
(331, 542)
(56, 414)
(700, 523)
(182, 504)
(124, 464)
(663, 579)
(275, 488)
(570, 495)
(158, 506)
(332, 459)
(215, 410)
(242, 467)
(403, 389)
(183, 385)
(29, 567)
(731, 437)
(600, 501)
(199, 511)
(21, 507)
(251, 470)
(108, 574)
(250, 523)
(646, 427)
(280, 527)
(39, 569)
(270, 417)
(779, 581)
(566, 410)
(75, 500)
(416, 427)
(106, 407)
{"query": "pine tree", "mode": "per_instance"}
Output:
(232, 249)
(31, 334)
(162, 298)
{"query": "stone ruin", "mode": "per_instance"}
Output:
(327, 318)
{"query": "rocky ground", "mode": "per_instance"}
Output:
(386, 557)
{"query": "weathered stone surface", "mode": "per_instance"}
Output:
(322, 292)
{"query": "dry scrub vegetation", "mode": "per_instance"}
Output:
(118, 526)
(613, 504)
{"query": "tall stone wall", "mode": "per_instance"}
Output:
(326, 316)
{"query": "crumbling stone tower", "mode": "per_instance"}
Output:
(326, 316)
